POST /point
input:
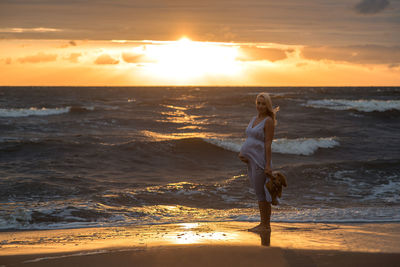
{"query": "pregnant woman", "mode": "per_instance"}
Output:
(256, 153)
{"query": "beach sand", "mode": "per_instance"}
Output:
(206, 244)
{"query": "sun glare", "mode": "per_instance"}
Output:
(185, 59)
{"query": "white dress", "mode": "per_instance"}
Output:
(254, 150)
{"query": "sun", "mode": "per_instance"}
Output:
(185, 60)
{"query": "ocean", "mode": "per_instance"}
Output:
(73, 157)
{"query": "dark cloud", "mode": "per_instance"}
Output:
(371, 6)
(220, 33)
(257, 53)
(366, 54)
(69, 44)
(296, 22)
(38, 58)
(106, 59)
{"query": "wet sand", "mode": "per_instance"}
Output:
(206, 244)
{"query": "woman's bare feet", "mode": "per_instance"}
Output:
(265, 216)
(260, 228)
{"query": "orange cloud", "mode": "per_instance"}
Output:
(292, 65)
(136, 58)
(132, 58)
(73, 57)
(7, 61)
(106, 59)
(38, 58)
(258, 53)
(23, 30)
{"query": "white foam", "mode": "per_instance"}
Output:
(161, 214)
(388, 192)
(360, 105)
(339, 215)
(25, 112)
(228, 144)
(299, 146)
(302, 146)
(19, 219)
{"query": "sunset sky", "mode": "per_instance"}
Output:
(177, 42)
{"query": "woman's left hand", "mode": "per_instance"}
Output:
(268, 171)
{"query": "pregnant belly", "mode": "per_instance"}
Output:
(253, 151)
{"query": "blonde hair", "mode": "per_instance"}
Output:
(270, 111)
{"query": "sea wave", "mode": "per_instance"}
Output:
(228, 144)
(355, 192)
(34, 111)
(303, 146)
(299, 146)
(97, 215)
(362, 105)
(339, 215)
(387, 191)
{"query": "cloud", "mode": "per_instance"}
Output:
(136, 58)
(363, 54)
(38, 58)
(131, 58)
(221, 33)
(371, 6)
(290, 21)
(69, 44)
(7, 60)
(106, 59)
(301, 64)
(23, 30)
(73, 57)
(253, 53)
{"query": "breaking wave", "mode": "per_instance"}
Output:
(33, 111)
(302, 146)
(359, 105)
(299, 146)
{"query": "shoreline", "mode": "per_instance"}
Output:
(289, 244)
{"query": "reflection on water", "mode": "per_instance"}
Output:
(161, 137)
(174, 107)
(265, 238)
(360, 237)
(178, 115)
(193, 233)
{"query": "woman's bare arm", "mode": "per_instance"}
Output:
(243, 158)
(269, 135)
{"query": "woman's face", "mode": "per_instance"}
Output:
(261, 105)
